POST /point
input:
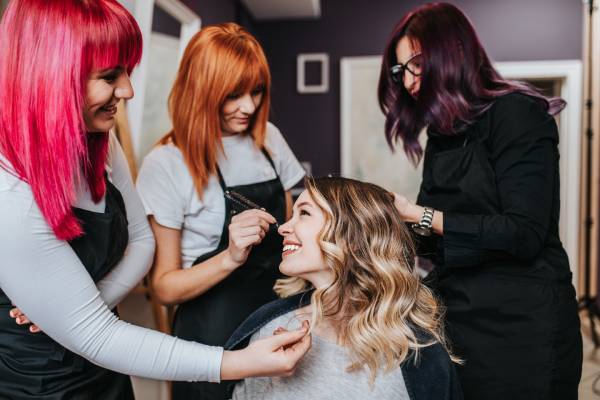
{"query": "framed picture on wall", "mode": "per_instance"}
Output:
(318, 81)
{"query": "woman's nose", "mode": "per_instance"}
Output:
(124, 90)
(285, 229)
(246, 104)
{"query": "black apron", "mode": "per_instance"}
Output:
(516, 326)
(213, 316)
(32, 365)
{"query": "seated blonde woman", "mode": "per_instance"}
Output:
(377, 330)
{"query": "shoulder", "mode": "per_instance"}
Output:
(519, 106)
(263, 316)
(163, 161)
(432, 374)
(516, 117)
(8, 178)
(12, 188)
(164, 155)
(272, 130)
(273, 137)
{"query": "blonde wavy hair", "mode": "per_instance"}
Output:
(382, 311)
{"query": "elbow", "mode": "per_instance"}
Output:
(163, 292)
(528, 244)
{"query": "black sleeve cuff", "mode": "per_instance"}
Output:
(462, 240)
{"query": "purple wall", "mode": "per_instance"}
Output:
(213, 11)
(511, 30)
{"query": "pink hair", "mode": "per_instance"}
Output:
(48, 48)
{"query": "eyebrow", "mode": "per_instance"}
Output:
(111, 70)
(418, 53)
(304, 203)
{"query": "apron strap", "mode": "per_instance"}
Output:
(266, 153)
(269, 159)
(221, 180)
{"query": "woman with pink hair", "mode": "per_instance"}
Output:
(74, 238)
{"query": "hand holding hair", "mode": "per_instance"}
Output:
(412, 213)
(277, 355)
(409, 212)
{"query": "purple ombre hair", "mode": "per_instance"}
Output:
(458, 81)
(48, 48)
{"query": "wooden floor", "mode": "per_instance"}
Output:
(589, 388)
(137, 310)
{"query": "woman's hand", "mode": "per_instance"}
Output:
(246, 230)
(409, 212)
(21, 319)
(277, 355)
(412, 213)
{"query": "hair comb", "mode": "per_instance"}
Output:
(244, 202)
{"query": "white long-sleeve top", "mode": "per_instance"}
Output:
(43, 276)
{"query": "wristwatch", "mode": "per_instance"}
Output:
(423, 228)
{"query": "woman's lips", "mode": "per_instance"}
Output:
(289, 249)
(110, 109)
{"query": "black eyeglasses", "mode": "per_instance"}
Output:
(414, 65)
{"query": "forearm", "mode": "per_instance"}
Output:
(472, 239)
(182, 284)
(143, 352)
(233, 366)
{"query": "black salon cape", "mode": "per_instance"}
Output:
(501, 269)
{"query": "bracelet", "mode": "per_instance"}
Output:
(423, 228)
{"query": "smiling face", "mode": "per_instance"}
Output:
(104, 89)
(237, 111)
(407, 52)
(302, 255)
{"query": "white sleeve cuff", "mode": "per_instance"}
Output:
(214, 365)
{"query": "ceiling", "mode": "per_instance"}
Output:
(283, 9)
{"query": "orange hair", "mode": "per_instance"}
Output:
(219, 60)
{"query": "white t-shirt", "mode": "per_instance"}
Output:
(168, 193)
(43, 276)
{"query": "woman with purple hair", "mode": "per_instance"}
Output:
(487, 211)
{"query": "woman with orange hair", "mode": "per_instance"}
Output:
(215, 258)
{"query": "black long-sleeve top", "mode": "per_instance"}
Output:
(497, 183)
